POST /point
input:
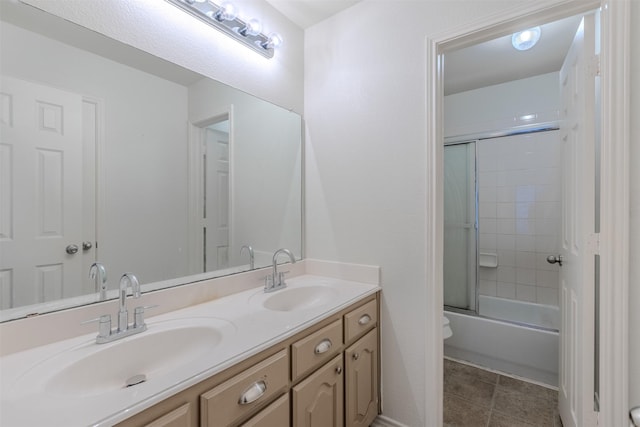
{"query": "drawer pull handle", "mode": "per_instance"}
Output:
(338, 369)
(364, 320)
(253, 393)
(356, 356)
(323, 346)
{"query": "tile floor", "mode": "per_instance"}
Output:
(474, 397)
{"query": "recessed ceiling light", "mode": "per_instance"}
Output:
(525, 40)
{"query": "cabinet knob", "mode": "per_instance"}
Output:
(339, 370)
(356, 356)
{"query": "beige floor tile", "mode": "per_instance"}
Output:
(470, 388)
(536, 410)
(500, 420)
(460, 369)
(512, 384)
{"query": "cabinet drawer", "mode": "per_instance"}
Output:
(241, 395)
(179, 417)
(360, 320)
(314, 350)
(276, 414)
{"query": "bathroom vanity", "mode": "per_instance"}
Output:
(305, 355)
(312, 378)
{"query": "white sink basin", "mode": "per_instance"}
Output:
(297, 298)
(94, 369)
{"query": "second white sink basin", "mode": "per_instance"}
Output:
(297, 298)
(94, 369)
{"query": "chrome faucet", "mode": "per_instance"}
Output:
(128, 280)
(99, 272)
(251, 255)
(275, 280)
(124, 329)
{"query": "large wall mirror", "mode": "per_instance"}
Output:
(111, 155)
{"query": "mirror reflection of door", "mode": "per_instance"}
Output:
(216, 216)
(43, 130)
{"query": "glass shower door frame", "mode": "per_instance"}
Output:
(476, 290)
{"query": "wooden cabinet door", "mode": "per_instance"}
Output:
(318, 400)
(179, 417)
(274, 415)
(361, 382)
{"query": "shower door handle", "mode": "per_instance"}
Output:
(552, 259)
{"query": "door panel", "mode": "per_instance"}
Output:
(577, 84)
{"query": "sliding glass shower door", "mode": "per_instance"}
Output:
(460, 225)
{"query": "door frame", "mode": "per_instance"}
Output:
(194, 192)
(614, 225)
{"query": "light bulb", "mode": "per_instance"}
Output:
(252, 28)
(274, 40)
(226, 12)
(525, 40)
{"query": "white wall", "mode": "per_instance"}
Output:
(144, 162)
(161, 29)
(366, 179)
(634, 273)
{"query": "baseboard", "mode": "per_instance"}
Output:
(382, 421)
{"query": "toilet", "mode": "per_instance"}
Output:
(446, 328)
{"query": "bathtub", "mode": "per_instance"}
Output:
(515, 349)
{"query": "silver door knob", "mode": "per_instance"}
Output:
(72, 249)
(634, 416)
(552, 259)
(86, 245)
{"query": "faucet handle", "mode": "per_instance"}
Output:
(104, 325)
(138, 315)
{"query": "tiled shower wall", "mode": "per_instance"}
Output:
(519, 181)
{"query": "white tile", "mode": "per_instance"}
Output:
(487, 225)
(525, 243)
(525, 193)
(488, 287)
(487, 162)
(526, 293)
(486, 210)
(547, 193)
(525, 259)
(506, 193)
(525, 227)
(487, 179)
(506, 258)
(548, 279)
(506, 242)
(488, 273)
(526, 276)
(487, 194)
(525, 210)
(488, 241)
(547, 227)
(548, 210)
(506, 274)
(501, 178)
(506, 290)
(547, 244)
(505, 226)
(505, 210)
(548, 176)
(547, 296)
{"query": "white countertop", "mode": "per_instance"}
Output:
(245, 327)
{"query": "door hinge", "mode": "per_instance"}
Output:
(593, 243)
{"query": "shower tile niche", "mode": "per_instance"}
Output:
(519, 207)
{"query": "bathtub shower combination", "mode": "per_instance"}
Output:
(502, 218)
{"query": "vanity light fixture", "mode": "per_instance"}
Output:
(224, 17)
(525, 40)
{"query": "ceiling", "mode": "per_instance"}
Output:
(496, 61)
(481, 65)
(306, 13)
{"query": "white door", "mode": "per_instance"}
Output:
(40, 193)
(577, 83)
(216, 216)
